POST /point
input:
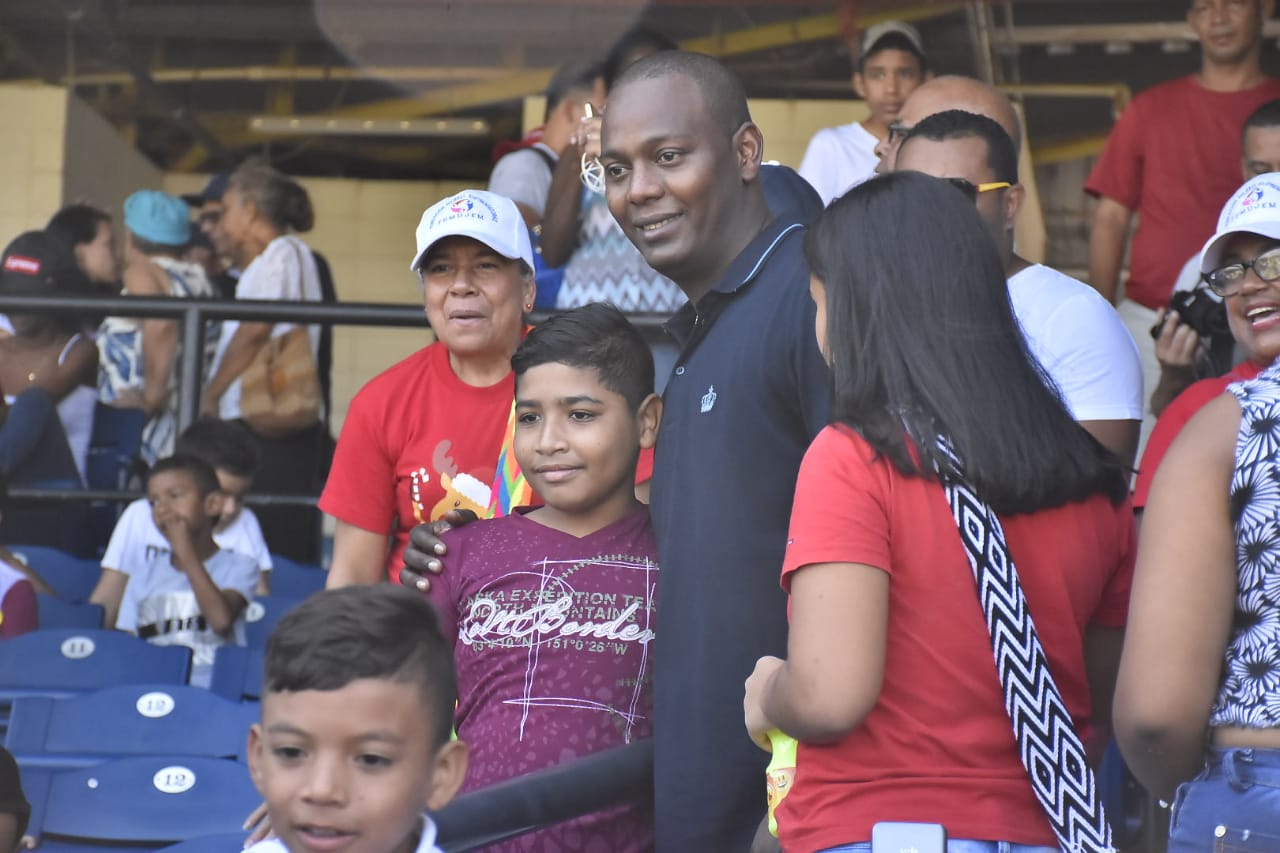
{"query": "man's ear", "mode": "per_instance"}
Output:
(254, 753)
(1015, 196)
(449, 770)
(648, 418)
(213, 503)
(748, 145)
(859, 85)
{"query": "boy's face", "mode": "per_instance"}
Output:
(351, 769)
(233, 488)
(577, 440)
(887, 77)
(174, 494)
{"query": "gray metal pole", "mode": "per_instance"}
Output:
(190, 368)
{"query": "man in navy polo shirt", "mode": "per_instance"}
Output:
(682, 162)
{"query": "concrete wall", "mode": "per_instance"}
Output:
(99, 166)
(31, 156)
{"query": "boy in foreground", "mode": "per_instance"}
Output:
(357, 709)
(550, 610)
(194, 592)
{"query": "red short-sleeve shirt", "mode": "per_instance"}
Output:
(938, 746)
(1174, 159)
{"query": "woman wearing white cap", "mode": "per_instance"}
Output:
(1198, 700)
(426, 436)
(137, 358)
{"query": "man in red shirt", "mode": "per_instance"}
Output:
(1192, 121)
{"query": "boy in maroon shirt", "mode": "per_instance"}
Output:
(551, 609)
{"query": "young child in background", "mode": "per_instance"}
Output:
(192, 593)
(18, 587)
(357, 710)
(226, 446)
(551, 609)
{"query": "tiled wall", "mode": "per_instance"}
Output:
(31, 149)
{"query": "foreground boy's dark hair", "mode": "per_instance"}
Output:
(382, 631)
(595, 337)
(223, 444)
(923, 343)
(200, 470)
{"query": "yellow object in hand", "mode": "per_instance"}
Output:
(780, 773)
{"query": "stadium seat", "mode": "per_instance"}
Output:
(294, 580)
(117, 722)
(65, 661)
(114, 462)
(207, 844)
(142, 801)
(261, 616)
(56, 613)
(72, 578)
(237, 673)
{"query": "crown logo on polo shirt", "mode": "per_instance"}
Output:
(709, 400)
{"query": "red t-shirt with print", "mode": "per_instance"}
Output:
(417, 442)
(938, 746)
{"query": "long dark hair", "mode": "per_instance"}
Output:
(923, 344)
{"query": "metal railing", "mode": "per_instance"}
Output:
(192, 316)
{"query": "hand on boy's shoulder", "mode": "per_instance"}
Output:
(422, 556)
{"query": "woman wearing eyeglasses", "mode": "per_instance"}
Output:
(1198, 699)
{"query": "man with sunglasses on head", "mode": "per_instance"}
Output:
(1076, 335)
(1241, 265)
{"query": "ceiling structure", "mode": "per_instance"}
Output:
(425, 88)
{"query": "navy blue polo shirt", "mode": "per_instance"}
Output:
(747, 395)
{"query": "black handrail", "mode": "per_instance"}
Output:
(194, 313)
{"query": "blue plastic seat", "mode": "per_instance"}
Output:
(117, 722)
(147, 800)
(207, 844)
(66, 661)
(72, 578)
(114, 462)
(290, 579)
(56, 613)
(261, 616)
(237, 673)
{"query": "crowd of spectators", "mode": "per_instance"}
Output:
(881, 511)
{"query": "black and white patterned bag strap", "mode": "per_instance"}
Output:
(1047, 741)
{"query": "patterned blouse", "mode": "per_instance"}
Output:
(1250, 691)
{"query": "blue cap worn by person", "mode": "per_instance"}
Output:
(487, 217)
(157, 218)
(213, 191)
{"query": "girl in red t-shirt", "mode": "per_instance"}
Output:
(889, 683)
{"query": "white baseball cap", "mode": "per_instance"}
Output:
(488, 217)
(873, 35)
(1254, 209)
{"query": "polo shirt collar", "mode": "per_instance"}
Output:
(752, 259)
(741, 272)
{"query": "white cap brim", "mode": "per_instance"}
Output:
(515, 253)
(1211, 254)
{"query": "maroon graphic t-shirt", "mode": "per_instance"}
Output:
(552, 640)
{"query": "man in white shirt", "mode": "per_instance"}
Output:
(136, 539)
(891, 64)
(1076, 335)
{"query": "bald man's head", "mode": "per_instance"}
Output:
(952, 93)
